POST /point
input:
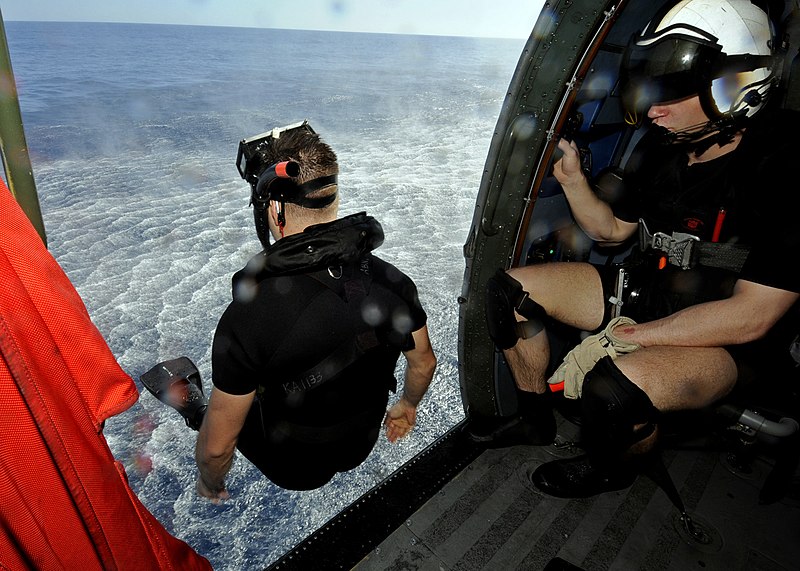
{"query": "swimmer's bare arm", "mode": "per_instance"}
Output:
(420, 365)
(216, 442)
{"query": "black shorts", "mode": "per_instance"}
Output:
(306, 458)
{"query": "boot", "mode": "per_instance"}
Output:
(605, 469)
(533, 425)
(579, 477)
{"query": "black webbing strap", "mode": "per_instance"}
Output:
(686, 251)
(725, 256)
(533, 312)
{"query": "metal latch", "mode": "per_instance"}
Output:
(679, 247)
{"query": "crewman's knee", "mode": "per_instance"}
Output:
(615, 412)
(504, 298)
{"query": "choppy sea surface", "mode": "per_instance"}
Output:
(133, 131)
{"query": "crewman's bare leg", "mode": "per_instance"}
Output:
(568, 292)
(620, 413)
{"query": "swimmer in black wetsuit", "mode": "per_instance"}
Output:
(304, 356)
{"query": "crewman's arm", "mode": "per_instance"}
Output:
(747, 315)
(420, 365)
(592, 214)
(216, 443)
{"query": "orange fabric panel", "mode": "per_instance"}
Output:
(105, 388)
(66, 501)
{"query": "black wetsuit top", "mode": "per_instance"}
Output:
(316, 327)
(755, 186)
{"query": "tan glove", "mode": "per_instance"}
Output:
(583, 358)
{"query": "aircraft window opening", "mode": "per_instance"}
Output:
(605, 149)
(596, 122)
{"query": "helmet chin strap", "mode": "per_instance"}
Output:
(699, 138)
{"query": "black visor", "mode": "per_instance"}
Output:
(667, 66)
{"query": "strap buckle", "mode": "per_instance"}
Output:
(679, 247)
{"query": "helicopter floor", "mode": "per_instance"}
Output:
(491, 517)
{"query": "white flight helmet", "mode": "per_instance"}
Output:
(720, 50)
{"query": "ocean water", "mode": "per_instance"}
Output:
(133, 132)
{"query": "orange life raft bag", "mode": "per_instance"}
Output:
(66, 503)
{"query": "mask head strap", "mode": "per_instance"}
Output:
(275, 182)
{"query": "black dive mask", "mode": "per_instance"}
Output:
(276, 182)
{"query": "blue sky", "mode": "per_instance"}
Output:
(486, 18)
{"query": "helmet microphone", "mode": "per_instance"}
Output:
(753, 98)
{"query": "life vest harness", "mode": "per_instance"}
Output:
(351, 283)
(336, 254)
(352, 290)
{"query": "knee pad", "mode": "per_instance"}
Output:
(504, 296)
(611, 406)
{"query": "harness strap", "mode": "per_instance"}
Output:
(722, 255)
(687, 251)
(337, 361)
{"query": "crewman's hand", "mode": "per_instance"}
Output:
(216, 496)
(400, 419)
(567, 169)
